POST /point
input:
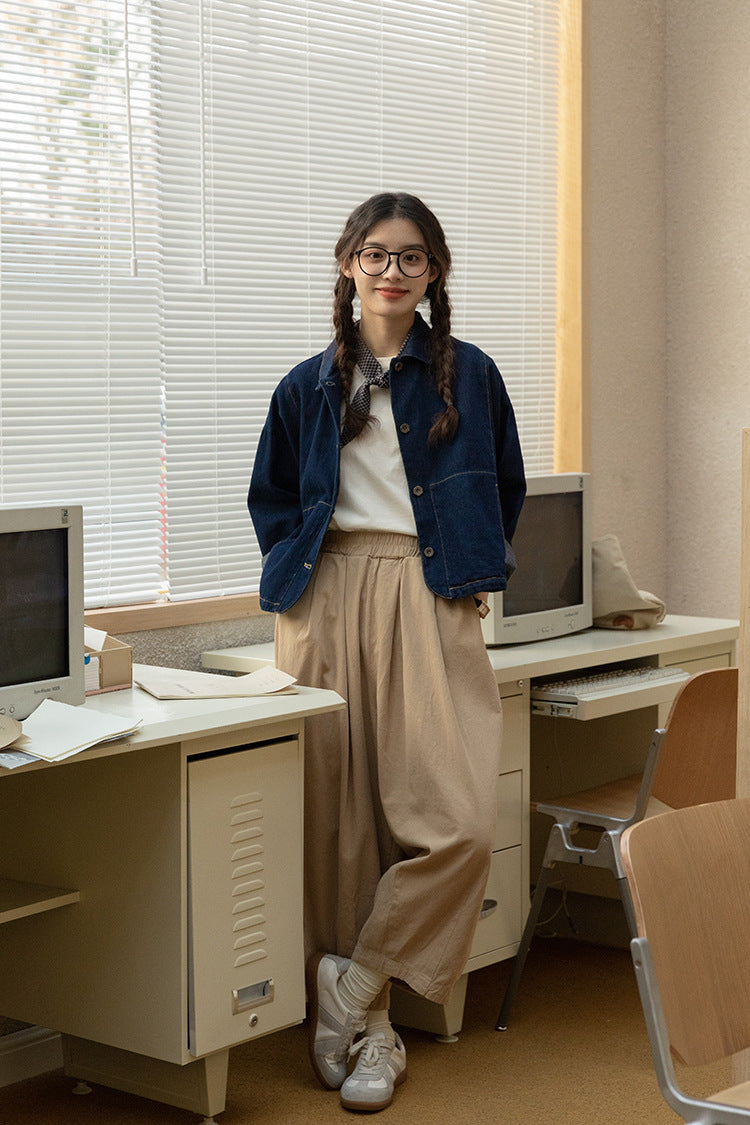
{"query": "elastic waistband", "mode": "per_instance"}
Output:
(377, 544)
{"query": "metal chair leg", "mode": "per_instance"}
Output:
(523, 949)
(627, 903)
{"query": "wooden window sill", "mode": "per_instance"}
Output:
(154, 615)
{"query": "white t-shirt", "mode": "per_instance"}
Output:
(373, 492)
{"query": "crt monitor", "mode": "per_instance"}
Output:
(550, 593)
(41, 607)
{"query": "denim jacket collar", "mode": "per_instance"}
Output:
(417, 346)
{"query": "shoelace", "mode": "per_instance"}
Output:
(373, 1046)
(339, 1047)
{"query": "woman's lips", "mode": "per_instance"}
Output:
(393, 294)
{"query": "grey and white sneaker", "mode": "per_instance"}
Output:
(381, 1066)
(331, 1026)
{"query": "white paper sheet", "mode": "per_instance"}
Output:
(56, 730)
(173, 683)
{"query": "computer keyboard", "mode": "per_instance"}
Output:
(617, 679)
(605, 691)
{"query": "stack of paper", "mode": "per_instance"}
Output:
(56, 731)
(173, 683)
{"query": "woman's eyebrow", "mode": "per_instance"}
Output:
(380, 246)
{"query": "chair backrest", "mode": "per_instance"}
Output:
(698, 759)
(689, 878)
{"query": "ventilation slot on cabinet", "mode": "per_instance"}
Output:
(248, 881)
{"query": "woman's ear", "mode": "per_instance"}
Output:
(346, 267)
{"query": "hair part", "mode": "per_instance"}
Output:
(376, 209)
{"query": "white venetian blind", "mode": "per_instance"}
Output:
(79, 336)
(220, 144)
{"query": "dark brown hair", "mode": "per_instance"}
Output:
(376, 209)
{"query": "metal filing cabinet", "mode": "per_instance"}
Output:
(245, 954)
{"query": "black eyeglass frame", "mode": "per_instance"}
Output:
(393, 254)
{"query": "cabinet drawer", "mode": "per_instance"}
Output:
(514, 753)
(509, 829)
(245, 888)
(497, 935)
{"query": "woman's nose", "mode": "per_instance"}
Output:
(393, 267)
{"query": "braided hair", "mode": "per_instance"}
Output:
(396, 205)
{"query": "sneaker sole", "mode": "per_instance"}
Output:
(373, 1107)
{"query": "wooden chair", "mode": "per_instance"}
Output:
(692, 759)
(689, 876)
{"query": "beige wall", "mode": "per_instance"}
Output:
(667, 162)
(624, 278)
(708, 312)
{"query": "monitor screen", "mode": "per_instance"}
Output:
(550, 593)
(548, 545)
(34, 597)
(41, 607)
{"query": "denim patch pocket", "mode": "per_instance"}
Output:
(468, 515)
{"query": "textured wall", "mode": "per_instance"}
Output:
(708, 316)
(668, 263)
(181, 647)
(625, 280)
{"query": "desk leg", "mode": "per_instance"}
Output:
(199, 1086)
(443, 1020)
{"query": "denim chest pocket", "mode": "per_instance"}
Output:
(467, 512)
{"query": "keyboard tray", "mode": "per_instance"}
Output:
(609, 701)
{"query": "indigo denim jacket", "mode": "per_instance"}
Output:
(466, 494)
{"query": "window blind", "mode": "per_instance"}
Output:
(175, 175)
(79, 336)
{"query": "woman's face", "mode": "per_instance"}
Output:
(391, 294)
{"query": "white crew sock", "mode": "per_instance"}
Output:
(378, 1018)
(379, 1021)
(358, 987)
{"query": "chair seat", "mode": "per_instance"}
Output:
(735, 1095)
(615, 799)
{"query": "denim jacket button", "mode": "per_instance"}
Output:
(428, 552)
(404, 427)
(398, 366)
(417, 490)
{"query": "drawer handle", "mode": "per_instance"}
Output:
(252, 996)
(488, 907)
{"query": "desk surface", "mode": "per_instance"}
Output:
(609, 646)
(177, 720)
(560, 654)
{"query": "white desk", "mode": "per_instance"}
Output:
(174, 926)
(675, 640)
(542, 756)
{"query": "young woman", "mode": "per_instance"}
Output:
(386, 488)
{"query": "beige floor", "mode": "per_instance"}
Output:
(576, 1051)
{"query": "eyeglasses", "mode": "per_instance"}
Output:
(374, 261)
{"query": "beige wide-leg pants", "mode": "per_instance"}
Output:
(400, 789)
